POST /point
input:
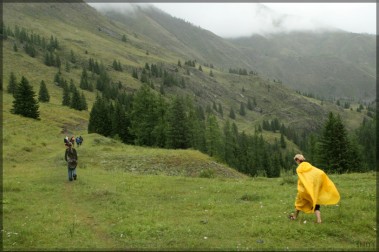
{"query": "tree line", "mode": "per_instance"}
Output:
(146, 118)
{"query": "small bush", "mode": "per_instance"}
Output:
(207, 173)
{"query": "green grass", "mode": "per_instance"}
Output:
(129, 197)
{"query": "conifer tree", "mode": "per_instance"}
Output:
(43, 95)
(120, 123)
(72, 57)
(67, 67)
(334, 151)
(100, 121)
(160, 128)
(177, 128)
(84, 83)
(282, 141)
(232, 115)
(249, 104)
(144, 116)
(220, 110)
(230, 144)
(66, 101)
(12, 84)
(76, 102)
(368, 143)
(24, 102)
(242, 109)
(213, 137)
(83, 102)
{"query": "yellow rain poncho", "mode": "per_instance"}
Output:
(314, 187)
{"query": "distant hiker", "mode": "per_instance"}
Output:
(72, 140)
(71, 158)
(77, 139)
(66, 141)
(81, 140)
(314, 188)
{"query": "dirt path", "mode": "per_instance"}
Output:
(84, 217)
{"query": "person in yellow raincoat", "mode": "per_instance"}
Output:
(314, 188)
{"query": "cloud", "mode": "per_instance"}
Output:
(240, 19)
(230, 20)
(126, 8)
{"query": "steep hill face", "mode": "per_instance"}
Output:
(329, 64)
(155, 37)
(180, 37)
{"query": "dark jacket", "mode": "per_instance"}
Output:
(71, 157)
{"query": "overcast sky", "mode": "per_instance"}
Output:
(244, 19)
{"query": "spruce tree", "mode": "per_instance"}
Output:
(368, 143)
(232, 115)
(100, 120)
(282, 141)
(161, 125)
(120, 123)
(249, 104)
(242, 109)
(12, 84)
(24, 102)
(177, 129)
(144, 116)
(213, 137)
(84, 83)
(230, 145)
(334, 151)
(220, 110)
(66, 101)
(43, 95)
(83, 102)
(76, 101)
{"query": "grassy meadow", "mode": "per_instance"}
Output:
(129, 198)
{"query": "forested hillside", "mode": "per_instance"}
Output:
(136, 89)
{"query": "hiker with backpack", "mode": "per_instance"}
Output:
(72, 140)
(77, 139)
(71, 158)
(66, 141)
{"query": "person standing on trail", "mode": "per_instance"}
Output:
(77, 139)
(72, 140)
(314, 188)
(71, 158)
(66, 141)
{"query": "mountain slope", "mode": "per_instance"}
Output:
(180, 37)
(330, 64)
(90, 35)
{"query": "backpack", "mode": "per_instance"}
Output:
(72, 163)
(71, 160)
